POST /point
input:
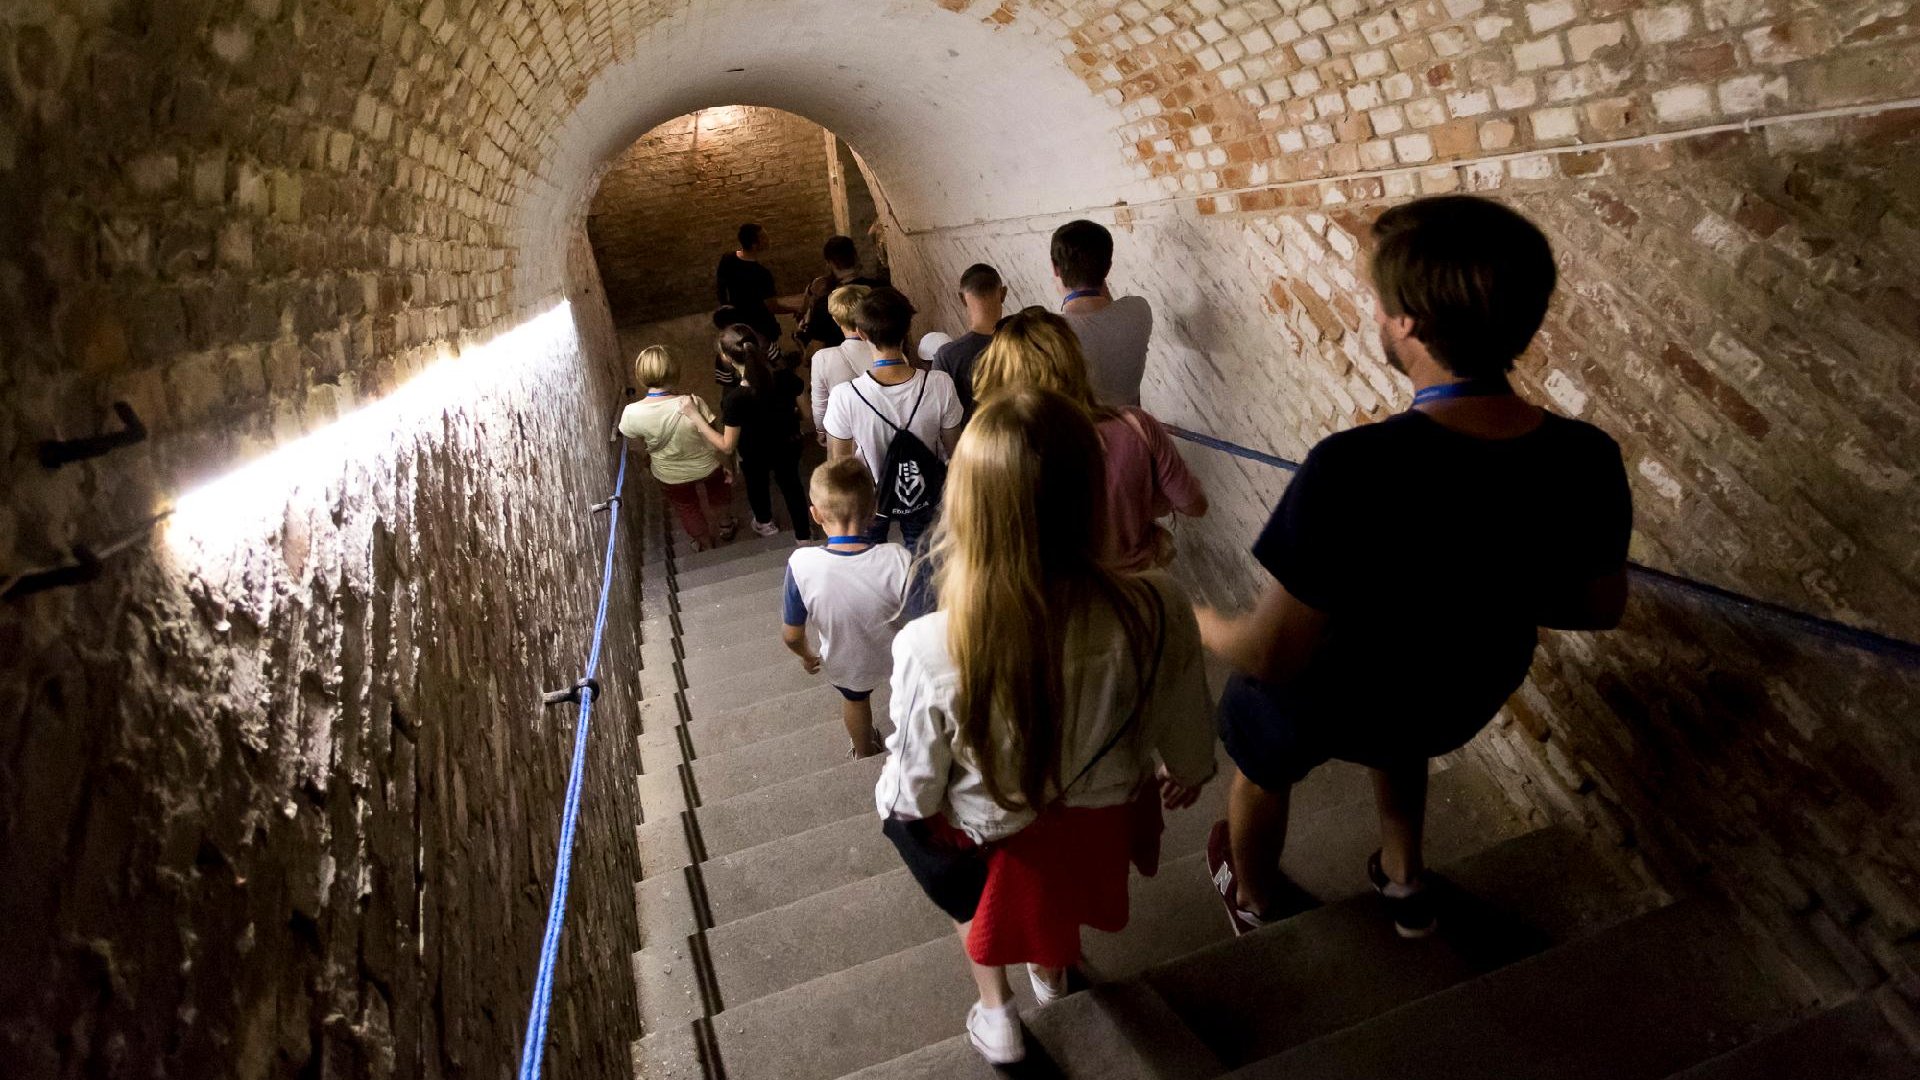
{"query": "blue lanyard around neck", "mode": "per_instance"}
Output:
(659, 393)
(832, 540)
(1079, 294)
(1493, 387)
(887, 361)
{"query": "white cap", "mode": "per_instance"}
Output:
(930, 343)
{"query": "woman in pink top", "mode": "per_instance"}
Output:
(1146, 478)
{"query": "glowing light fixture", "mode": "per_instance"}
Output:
(251, 502)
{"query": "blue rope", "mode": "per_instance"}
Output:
(1898, 649)
(535, 1046)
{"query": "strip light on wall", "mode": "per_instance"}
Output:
(249, 503)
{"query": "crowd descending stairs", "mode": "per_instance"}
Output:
(784, 941)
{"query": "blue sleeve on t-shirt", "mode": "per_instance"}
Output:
(793, 610)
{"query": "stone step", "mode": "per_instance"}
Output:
(718, 733)
(822, 934)
(758, 683)
(744, 883)
(809, 750)
(784, 809)
(719, 609)
(1337, 965)
(744, 581)
(1851, 1041)
(1121, 1031)
(699, 577)
(743, 545)
(1637, 1001)
(724, 662)
(757, 624)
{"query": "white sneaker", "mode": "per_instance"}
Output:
(996, 1033)
(1044, 992)
(765, 528)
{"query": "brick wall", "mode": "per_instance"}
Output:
(670, 206)
(249, 218)
(278, 798)
(1725, 186)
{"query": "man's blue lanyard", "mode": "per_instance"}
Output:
(1079, 294)
(1493, 387)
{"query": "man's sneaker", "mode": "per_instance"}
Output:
(765, 528)
(996, 1033)
(1410, 905)
(1220, 867)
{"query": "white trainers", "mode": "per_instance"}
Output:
(1044, 992)
(996, 1033)
(765, 528)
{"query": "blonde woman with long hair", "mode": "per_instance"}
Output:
(1145, 476)
(1037, 710)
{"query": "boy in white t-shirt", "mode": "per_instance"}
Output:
(840, 363)
(865, 415)
(851, 593)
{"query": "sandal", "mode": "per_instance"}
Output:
(1220, 867)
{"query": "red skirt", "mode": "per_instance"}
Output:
(1066, 870)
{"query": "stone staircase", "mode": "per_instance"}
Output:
(784, 941)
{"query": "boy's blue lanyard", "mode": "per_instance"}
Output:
(1079, 294)
(832, 540)
(659, 393)
(1494, 387)
(887, 361)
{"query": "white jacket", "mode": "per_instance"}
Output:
(832, 366)
(927, 773)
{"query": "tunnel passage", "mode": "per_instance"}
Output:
(277, 798)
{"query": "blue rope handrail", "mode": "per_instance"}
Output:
(584, 692)
(1900, 649)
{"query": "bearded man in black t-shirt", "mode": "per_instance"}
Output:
(1414, 560)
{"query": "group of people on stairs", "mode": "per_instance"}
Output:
(1048, 695)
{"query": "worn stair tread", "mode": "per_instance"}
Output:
(1851, 1041)
(874, 1012)
(744, 545)
(699, 577)
(727, 607)
(1120, 1031)
(774, 874)
(775, 717)
(783, 809)
(702, 635)
(724, 662)
(1636, 1001)
(756, 580)
(1336, 965)
(754, 684)
(801, 752)
(821, 934)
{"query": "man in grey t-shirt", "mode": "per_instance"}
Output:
(1113, 333)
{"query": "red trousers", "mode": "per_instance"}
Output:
(685, 500)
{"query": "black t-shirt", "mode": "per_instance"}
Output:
(1434, 553)
(820, 328)
(747, 286)
(769, 422)
(957, 358)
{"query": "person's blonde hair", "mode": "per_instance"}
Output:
(655, 367)
(1037, 348)
(842, 301)
(843, 491)
(1018, 557)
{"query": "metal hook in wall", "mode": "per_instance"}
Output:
(57, 452)
(85, 566)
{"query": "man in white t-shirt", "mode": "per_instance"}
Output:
(863, 415)
(1113, 333)
(836, 364)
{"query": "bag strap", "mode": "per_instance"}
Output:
(1140, 703)
(897, 429)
